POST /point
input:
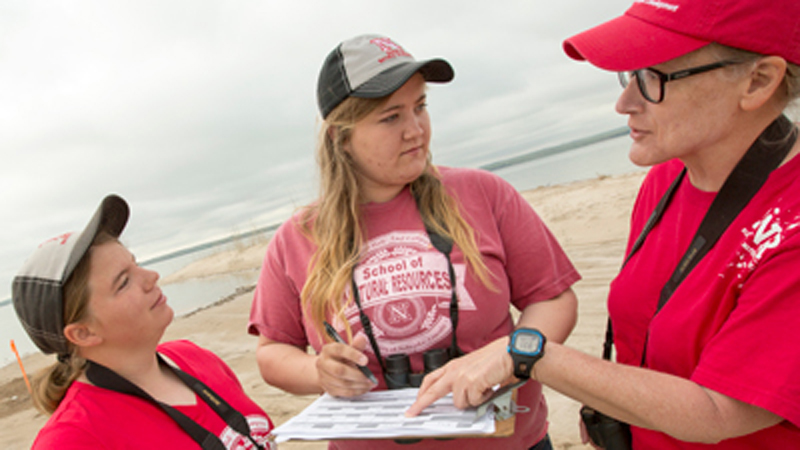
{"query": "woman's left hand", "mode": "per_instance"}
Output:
(470, 378)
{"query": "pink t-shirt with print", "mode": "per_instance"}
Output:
(405, 289)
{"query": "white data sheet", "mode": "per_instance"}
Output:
(380, 414)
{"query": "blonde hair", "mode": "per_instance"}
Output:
(51, 383)
(333, 222)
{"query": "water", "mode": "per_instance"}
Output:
(562, 164)
(608, 157)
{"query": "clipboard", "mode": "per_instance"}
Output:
(503, 401)
(317, 421)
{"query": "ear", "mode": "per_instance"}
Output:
(81, 335)
(765, 80)
(333, 135)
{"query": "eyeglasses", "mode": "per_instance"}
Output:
(651, 81)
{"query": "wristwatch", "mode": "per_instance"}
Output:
(525, 347)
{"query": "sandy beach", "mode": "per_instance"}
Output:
(590, 219)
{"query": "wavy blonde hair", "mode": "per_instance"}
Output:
(333, 222)
(51, 383)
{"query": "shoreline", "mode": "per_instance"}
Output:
(588, 217)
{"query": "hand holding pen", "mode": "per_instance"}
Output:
(338, 380)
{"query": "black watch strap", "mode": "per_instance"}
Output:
(522, 369)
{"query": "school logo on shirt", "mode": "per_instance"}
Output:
(404, 287)
(764, 235)
(259, 429)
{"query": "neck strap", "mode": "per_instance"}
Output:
(750, 173)
(747, 177)
(104, 377)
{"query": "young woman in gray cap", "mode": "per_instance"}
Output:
(83, 297)
(414, 263)
(706, 310)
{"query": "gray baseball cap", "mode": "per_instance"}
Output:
(38, 289)
(371, 66)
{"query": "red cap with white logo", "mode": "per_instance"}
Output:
(655, 31)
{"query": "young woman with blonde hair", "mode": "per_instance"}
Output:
(114, 385)
(411, 262)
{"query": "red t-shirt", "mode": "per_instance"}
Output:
(97, 418)
(733, 325)
(405, 288)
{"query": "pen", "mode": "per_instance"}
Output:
(333, 334)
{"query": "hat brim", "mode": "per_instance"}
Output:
(111, 216)
(390, 80)
(629, 43)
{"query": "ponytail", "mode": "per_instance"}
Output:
(51, 383)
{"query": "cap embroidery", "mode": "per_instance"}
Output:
(389, 47)
(658, 4)
(62, 239)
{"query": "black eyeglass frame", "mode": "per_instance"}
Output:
(664, 78)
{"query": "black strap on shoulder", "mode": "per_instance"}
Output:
(445, 246)
(106, 378)
(655, 216)
(750, 173)
(747, 177)
(366, 324)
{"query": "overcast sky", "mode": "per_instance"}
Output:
(180, 104)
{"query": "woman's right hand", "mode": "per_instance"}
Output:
(337, 371)
(470, 378)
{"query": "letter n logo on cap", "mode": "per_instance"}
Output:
(390, 48)
(62, 239)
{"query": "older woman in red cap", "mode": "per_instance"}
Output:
(705, 312)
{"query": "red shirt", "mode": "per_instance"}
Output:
(97, 418)
(733, 325)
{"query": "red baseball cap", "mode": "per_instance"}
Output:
(655, 31)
